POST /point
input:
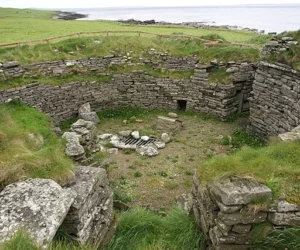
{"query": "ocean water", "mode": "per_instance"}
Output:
(271, 18)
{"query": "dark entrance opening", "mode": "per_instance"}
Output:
(239, 98)
(181, 105)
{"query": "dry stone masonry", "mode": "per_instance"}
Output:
(274, 105)
(227, 210)
(140, 89)
(278, 45)
(91, 214)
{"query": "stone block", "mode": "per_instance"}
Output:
(239, 191)
(37, 206)
(285, 219)
(91, 214)
(243, 217)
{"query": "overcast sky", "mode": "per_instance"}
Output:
(130, 3)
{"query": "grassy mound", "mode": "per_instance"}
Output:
(277, 166)
(29, 148)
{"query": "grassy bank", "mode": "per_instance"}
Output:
(277, 166)
(133, 47)
(29, 148)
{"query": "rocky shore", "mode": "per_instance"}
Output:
(198, 25)
(63, 15)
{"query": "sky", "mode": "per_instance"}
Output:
(130, 3)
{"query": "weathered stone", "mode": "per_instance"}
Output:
(125, 133)
(91, 116)
(186, 202)
(243, 217)
(37, 205)
(104, 136)
(113, 151)
(159, 144)
(145, 138)
(228, 209)
(73, 147)
(241, 229)
(168, 125)
(284, 207)
(239, 191)
(135, 135)
(285, 219)
(148, 150)
(91, 214)
(165, 138)
(172, 115)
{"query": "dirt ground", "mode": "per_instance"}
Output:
(157, 181)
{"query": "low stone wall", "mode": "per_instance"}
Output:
(229, 209)
(274, 105)
(278, 45)
(142, 90)
(14, 69)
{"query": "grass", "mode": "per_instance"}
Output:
(242, 137)
(21, 25)
(290, 57)
(277, 166)
(281, 239)
(140, 229)
(29, 148)
(219, 76)
(22, 241)
(85, 47)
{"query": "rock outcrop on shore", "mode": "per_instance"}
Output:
(63, 15)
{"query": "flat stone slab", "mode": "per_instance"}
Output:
(285, 219)
(38, 206)
(239, 191)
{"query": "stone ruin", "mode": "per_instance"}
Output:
(225, 211)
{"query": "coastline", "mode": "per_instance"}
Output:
(66, 15)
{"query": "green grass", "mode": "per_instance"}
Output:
(29, 148)
(281, 239)
(21, 25)
(277, 166)
(242, 137)
(56, 80)
(142, 230)
(138, 229)
(85, 47)
(21, 241)
(219, 76)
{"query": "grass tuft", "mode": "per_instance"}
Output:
(29, 147)
(277, 166)
(141, 229)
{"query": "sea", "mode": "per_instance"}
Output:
(270, 18)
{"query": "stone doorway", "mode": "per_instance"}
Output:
(181, 105)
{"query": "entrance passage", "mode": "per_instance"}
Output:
(181, 105)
